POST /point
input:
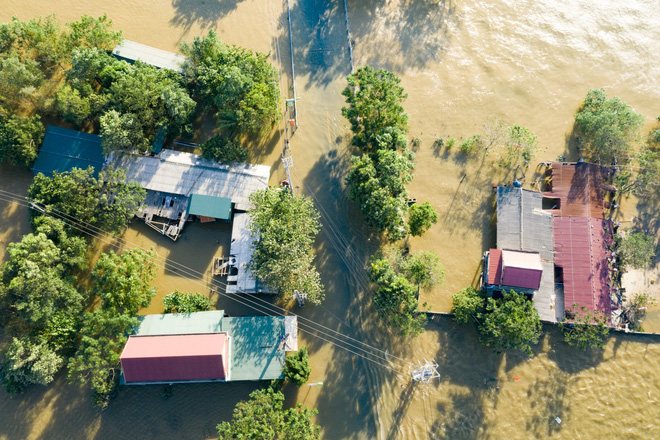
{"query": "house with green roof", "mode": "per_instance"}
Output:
(207, 347)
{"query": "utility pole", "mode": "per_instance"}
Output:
(425, 372)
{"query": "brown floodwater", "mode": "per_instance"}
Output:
(462, 64)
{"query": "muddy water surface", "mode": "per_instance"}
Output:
(461, 63)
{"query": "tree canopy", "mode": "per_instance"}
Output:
(609, 127)
(584, 329)
(108, 202)
(421, 217)
(25, 363)
(177, 302)
(297, 368)
(224, 150)
(466, 305)
(637, 250)
(264, 417)
(286, 226)
(20, 138)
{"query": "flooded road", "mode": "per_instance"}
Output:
(461, 64)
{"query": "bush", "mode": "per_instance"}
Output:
(224, 150)
(584, 329)
(177, 302)
(450, 143)
(466, 305)
(471, 145)
(297, 368)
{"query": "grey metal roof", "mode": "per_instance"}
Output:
(180, 323)
(241, 250)
(132, 51)
(523, 225)
(182, 173)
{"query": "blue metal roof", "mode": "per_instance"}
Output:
(209, 206)
(64, 149)
(180, 323)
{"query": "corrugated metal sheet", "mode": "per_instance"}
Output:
(494, 266)
(581, 251)
(580, 187)
(175, 358)
(257, 346)
(241, 250)
(132, 51)
(522, 225)
(182, 173)
(64, 149)
(209, 206)
(521, 269)
(180, 323)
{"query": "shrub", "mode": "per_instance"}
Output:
(297, 368)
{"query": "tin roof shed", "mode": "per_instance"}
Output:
(209, 206)
(64, 149)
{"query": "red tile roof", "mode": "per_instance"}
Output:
(175, 358)
(494, 266)
(581, 251)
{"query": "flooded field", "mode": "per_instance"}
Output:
(461, 64)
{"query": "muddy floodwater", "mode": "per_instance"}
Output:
(462, 63)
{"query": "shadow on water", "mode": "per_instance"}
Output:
(204, 13)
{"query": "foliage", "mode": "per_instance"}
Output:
(224, 150)
(647, 180)
(108, 202)
(286, 225)
(297, 368)
(520, 147)
(102, 338)
(374, 101)
(122, 133)
(634, 310)
(584, 329)
(20, 138)
(467, 304)
(609, 126)
(510, 323)
(264, 417)
(25, 363)
(471, 145)
(18, 80)
(395, 298)
(122, 281)
(450, 143)
(378, 185)
(420, 218)
(239, 84)
(637, 250)
(92, 32)
(422, 268)
(177, 302)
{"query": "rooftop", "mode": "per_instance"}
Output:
(64, 149)
(180, 323)
(209, 206)
(132, 51)
(241, 250)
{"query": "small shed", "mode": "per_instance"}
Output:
(521, 269)
(63, 150)
(210, 206)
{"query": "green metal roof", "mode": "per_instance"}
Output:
(180, 323)
(64, 149)
(255, 352)
(209, 206)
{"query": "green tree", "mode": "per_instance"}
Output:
(108, 202)
(395, 299)
(20, 138)
(510, 323)
(264, 417)
(584, 329)
(92, 33)
(297, 368)
(177, 302)
(423, 269)
(102, 338)
(121, 132)
(421, 218)
(123, 281)
(240, 85)
(466, 305)
(519, 147)
(25, 363)
(637, 250)
(224, 150)
(38, 40)
(286, 226)
(19, 80)
(374, 101)
(609, 126)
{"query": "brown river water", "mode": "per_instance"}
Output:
(462, 63)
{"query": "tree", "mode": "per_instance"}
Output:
(241, 85)
(286, 226)
(25, 363)
(510, 323)
(374, 101)
(92, 32)
(395, 299)
(423, 269)
(466, 305)
(637, 250)
(177, 302)
(102, 338)
(122, 281)
(519, 147)
(584, 329)
(108, 202)
(297, 368)
(18, 80)
(224, 150)
(420, 218)
(609, 126)
(634, 310)
(122, 133)
(20, 138)
(264, 417)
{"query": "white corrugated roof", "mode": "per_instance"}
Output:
(133, 51)
(184, 173)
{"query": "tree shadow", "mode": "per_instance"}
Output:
(569, 359)
(548, 400)
(204, 13)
